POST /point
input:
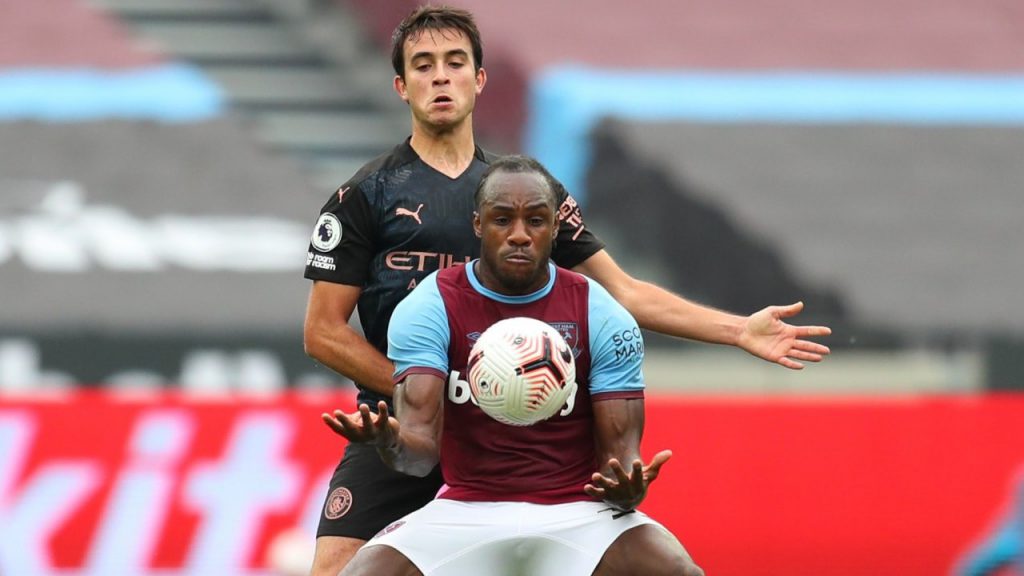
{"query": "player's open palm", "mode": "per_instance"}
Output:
(767, 336)
(364, 426)
(625, 489)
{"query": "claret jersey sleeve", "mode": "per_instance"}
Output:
(616, 347)
(418, 335)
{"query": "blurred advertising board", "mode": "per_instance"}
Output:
(93, 482)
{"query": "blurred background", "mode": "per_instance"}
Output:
(162, 163)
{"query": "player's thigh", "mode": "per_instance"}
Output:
(380, 561)
(333, 553)
(365, 495)
(648, 549)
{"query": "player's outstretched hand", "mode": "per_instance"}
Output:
(624, 489)
(767, 336)
(364, 426)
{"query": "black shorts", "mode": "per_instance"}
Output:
(365, 495)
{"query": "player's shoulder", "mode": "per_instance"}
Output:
(486, 156)
(426, 295)
(574, 279)
(374, 173)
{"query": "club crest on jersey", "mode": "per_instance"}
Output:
(569, 332)
(338, 503)
(326, 233)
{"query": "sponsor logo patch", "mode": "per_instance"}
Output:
(320, 261)
(326, 233)
(338, 503)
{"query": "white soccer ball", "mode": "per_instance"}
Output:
(521, 371)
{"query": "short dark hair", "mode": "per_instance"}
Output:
(435, 18)
(516, 164)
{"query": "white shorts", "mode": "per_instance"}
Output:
(451, 538)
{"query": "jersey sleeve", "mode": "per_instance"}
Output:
(418, 334)
(341, 246)
(616, 348)
(575, 242)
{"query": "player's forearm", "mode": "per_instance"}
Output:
(661, 311)
(618, 428)
(416, 450)
(411, 453)
(345, 351)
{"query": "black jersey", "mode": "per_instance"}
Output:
(397, 220)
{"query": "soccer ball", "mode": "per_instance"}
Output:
(521, 371)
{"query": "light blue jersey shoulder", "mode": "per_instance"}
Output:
(418, 334)
(616, 345)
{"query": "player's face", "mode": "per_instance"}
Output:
(441, 83)
(517, 227)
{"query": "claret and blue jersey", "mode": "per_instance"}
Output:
(432, 332)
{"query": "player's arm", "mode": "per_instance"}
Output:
(342, 245)
(418, 338)
(617, 392)
(764, 334)
(623, 480)
(329, 339)
(409, 441)
(415, 449)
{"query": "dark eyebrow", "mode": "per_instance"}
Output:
(535, 206)
(448, 54)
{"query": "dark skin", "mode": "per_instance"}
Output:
(517, 225)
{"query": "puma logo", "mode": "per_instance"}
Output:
(341, 192)
(414, 215)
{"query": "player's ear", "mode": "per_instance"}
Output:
(477, 229)
(481, 79)
(400, 88)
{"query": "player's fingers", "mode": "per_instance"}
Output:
(652, 470)
(636, 478)
(365, 416)
(789, 363)
(335, 424)
(594, 491)
(812, 347)
(659, 460)
(805, 356)
(354, 425)
(790, 310)
(383, 423)
(620, 473)
(330, 421)
(805, 331)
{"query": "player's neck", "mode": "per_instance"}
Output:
(449, 152)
